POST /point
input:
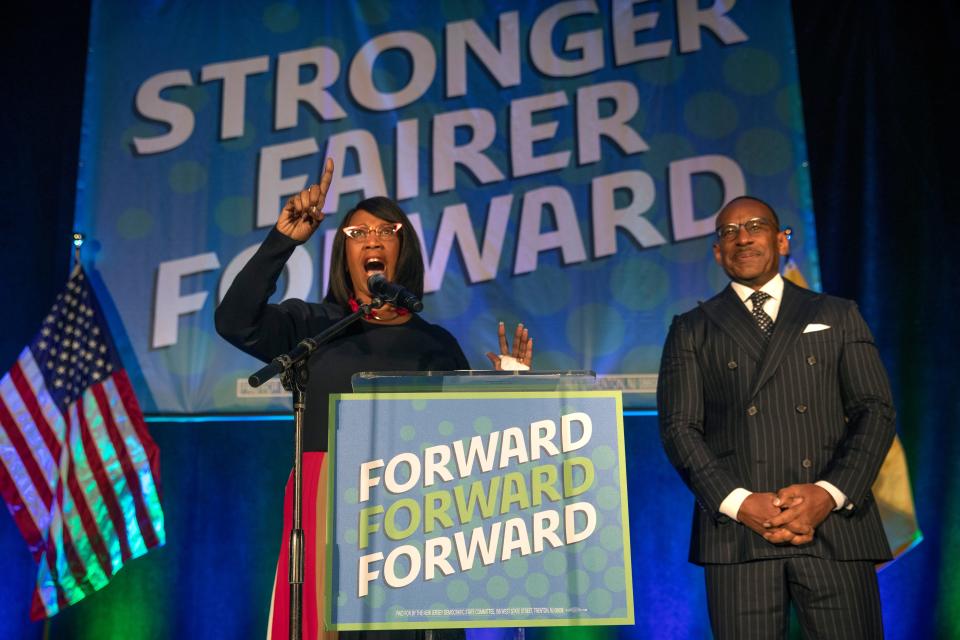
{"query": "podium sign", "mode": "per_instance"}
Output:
(472, 509)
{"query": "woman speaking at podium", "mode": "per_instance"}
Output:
(375, 237)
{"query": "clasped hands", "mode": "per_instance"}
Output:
(791, 515)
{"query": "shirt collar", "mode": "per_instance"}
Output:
(773, 287)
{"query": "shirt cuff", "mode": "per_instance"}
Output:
(730, 506)
(839, 497)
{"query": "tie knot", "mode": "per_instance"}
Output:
(758, 298)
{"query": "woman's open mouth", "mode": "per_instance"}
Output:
(373, 265)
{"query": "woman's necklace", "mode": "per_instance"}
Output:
(398, 312)
(373, 315)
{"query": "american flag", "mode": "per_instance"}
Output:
(78, 470)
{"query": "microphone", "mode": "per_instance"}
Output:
(393, 293)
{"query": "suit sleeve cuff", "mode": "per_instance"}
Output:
(839, 497)
(730, 506)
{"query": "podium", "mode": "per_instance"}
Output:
(476, 499)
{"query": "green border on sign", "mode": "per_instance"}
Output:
(336, 398)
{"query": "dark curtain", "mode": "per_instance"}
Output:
(42, 76)
(878, 91)
(879, 99)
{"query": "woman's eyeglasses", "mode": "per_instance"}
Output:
(384, 232)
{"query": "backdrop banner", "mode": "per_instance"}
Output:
(562, 162)
(478, 510)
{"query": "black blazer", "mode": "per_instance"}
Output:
(736, 411)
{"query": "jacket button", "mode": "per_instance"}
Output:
(752, 411)
(801, 408)
(732, 364)
(807, 463)
(811, 359)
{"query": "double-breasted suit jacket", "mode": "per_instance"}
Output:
(740, 410)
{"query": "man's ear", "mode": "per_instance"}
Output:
(783, 244)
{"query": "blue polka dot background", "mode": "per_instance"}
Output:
(586, 309)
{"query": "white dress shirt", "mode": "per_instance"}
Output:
(730, 506)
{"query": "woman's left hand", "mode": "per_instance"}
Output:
(522, 350)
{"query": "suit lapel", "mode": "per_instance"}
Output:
(728, 312)
(797, 308)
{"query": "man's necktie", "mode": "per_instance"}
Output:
(764, 321)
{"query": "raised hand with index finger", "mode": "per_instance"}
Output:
(302, 213)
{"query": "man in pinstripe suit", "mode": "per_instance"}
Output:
(776, 411)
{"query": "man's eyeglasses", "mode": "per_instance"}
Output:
(384, 232)
(753, 226)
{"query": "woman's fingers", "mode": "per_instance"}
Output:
(527, 357)
(502, 336)
(522, 350)
(290, 209)
(518, 339)
(325, 179)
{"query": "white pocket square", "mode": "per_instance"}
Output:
(813, 326)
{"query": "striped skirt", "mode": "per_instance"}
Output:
(314, 489)
(314, 519)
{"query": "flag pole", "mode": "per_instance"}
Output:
(78, 239)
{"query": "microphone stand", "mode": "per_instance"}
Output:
(294, 375)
